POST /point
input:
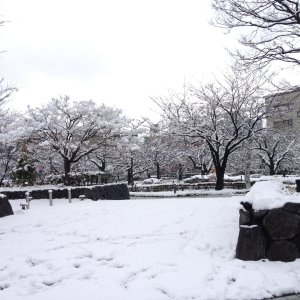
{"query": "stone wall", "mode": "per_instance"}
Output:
(273, 234)
(185, 186)
(103, 192)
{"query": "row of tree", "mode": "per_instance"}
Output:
(217, 127)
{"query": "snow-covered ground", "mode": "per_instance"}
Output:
(176, 248)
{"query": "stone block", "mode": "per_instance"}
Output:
(292, 207)
(245, 217)
(281, 224)
(5, 207)
(283, 251)
(251, 243)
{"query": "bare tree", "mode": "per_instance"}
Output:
(5, 91)
(224, 115)
(270, 28)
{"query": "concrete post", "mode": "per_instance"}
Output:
(69, 195)
(247, 170)
(50, 198)
(27, 200)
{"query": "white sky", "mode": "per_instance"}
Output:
(115, 51)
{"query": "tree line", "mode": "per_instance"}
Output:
(216, 127)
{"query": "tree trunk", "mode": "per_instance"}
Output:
(130, 172)
(204, 169)
(220, 178)
(271, 168)
(180, 172)
(272, 171)
(129, 176)
(67, 169)
(103, 166)
(1, 180)
(157, 170)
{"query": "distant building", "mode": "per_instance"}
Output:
(284, 110)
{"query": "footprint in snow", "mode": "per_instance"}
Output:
(50, 282)
(4, 286)
(76, 265)
(118, 266)
(104, 259)
(34, 261)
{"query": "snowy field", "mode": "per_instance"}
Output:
(160, 249)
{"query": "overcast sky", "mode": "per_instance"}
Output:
(115, 51)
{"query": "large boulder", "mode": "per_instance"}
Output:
(5, 207)
(116, 192)
(292, 207)
(283, 251)
(281, 224)
(251, 243)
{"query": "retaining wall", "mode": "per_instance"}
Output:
(103, 192)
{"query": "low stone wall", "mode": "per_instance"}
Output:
(5, 207)
(184, 186)
(103, 192)
(273, 234)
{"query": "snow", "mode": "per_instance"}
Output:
(290, 179)
(177, 248)
(190, 193)
(270, 194)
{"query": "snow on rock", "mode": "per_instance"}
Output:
(269, 194)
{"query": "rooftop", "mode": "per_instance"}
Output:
(284, 92)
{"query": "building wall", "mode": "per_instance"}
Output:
(285, 111)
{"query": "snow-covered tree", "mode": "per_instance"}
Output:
(158, 149)
(74, 130)
(198, 155)
(223, 114)
(24, 172)
(275, 150)
(9, 141)
(8, 133)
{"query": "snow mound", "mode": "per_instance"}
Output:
(268, 195)
(151, 181)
